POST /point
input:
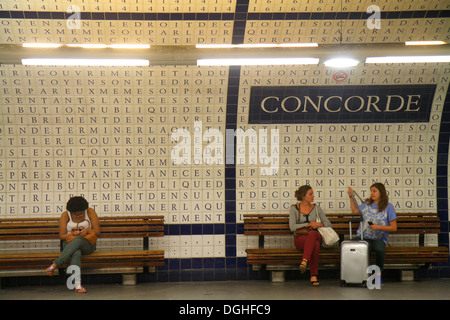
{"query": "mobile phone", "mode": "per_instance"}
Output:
(369, 223)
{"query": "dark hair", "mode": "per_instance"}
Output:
(301, 192)
(76, 204)
(384, 199)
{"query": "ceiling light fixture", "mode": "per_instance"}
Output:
(129, 46)
(256, 45)
(86, 45)
(85, 62)
(298, 45)
(341, 62)
(408, 59)
(256, 61)
(424, 43)
(41, 45)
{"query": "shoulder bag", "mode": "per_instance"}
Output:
(329, 236)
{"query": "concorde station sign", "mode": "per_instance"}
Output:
(341, 104)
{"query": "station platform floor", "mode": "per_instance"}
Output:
(255, 290)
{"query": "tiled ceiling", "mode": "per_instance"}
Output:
(188, 22)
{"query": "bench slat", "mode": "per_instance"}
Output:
(393, 255)
(111, 227)
(112, 258)
(266, 233)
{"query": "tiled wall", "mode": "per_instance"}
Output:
(117, 136)
(161, 140)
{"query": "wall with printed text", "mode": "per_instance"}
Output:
(203, 146)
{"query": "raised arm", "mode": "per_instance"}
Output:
(352, 202)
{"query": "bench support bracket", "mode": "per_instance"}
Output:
(129, 279)
(407, 275)
(277, 276)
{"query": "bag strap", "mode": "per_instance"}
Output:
(317, 215)
(354, 195)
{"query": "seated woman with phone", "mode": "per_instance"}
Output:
(379, 218)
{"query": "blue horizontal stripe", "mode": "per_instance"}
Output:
(225, 16)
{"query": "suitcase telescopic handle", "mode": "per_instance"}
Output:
(350, 221)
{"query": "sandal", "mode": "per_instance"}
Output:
(80, 289)
(303, 266)
(315, 283)
(49, 270)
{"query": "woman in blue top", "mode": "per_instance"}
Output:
(379, 219)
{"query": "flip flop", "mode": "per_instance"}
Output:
(80, 289)
(303, 266)
(315, 283)
(49, 270)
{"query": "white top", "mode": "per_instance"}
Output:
(80, 225)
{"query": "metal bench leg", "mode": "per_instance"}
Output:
(129, 279)
(407, 275)
(277, 276)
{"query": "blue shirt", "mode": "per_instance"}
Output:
(371, 213)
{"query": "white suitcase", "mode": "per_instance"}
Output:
(354, 262)
(354, 259)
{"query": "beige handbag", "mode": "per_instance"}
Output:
(329, 236)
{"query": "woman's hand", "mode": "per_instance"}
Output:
(392, 227)
(69, 237)
(352, 202)
(314, 225)
(374, 227)
(84, 232)
(350, 191)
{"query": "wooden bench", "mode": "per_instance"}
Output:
(128, 263)
(405, 258)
